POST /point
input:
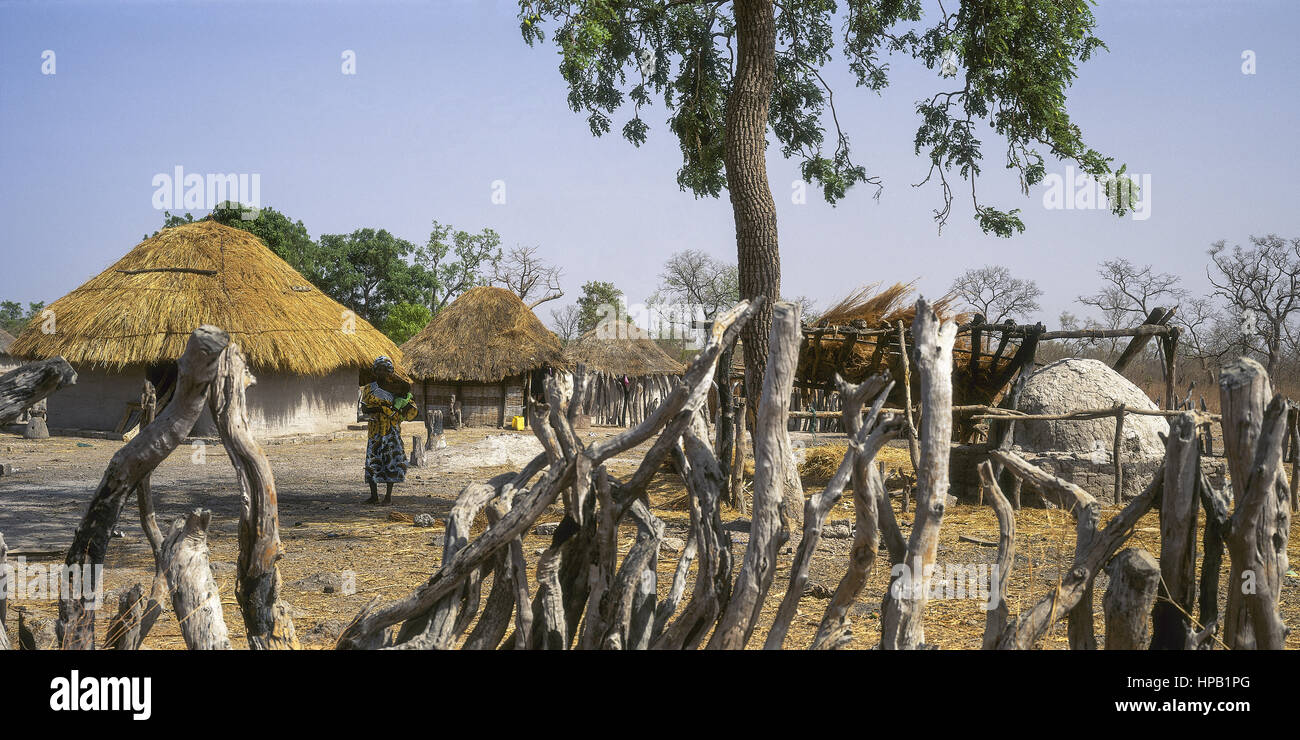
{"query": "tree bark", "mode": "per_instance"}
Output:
(1254, 431)
(1171, 617)
(745, 158)
(767, 532)
(4, 576)
(996, 618)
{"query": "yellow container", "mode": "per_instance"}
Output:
(518, 423)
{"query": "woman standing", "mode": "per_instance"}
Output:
(388, 401)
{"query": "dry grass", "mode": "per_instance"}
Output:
(275, 315)
(324, 532)
(820, 463)
(484, 336)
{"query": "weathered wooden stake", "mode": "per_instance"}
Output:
(1134, 577)
(1170, 620)
(266, 616)
(902, 624)
(195, 598)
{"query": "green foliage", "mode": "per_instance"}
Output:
(12, 317)
(368, 272)
(404, 320)
(1015, 61)
(456, 261)
(599, 301)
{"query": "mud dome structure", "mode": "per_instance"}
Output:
(1080, 451)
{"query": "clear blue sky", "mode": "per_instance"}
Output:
(447, 99)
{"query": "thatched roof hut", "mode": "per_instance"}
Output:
(615, 350)
(621, 350)
(135, 317)
(484, 349)
(7, 361)
(143, 308)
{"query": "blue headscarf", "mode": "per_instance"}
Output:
(382, 365)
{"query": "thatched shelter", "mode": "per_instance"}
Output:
(7, 361)
(488, 350)
(615, 350)
(132, 321)
(831, 345)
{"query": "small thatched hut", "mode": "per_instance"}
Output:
(615, 349)
(132, 321)
(488, 350)
(7, 361)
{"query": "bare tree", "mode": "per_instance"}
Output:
(528, 276)
(565, 322)
(1201, 320)
(1262, 282)
(1130, 292)
(696, 278)
(995, 294)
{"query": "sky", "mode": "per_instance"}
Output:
(448, 107)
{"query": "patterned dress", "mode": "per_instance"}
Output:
(385, 455)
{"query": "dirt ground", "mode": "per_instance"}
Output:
(329, 533)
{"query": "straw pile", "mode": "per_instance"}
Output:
(144, 307)
(484, 336)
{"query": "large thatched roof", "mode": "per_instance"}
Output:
(484, 336)
(621, 349)
(143, 308)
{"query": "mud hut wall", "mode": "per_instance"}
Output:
(481, 403)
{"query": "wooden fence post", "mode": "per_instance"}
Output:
(1170, 619)
(1134, 577)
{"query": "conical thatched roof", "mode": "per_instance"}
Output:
(484, 336)
(143, 308)
(618, 350)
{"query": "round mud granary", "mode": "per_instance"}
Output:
(1081, 451)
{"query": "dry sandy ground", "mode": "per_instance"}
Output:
(327, 532)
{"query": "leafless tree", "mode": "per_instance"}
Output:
(1202, 322)
(565, 322)
(995, 294)
(699, 279)
(1130, 292)
(529, 276)
(1262, 282)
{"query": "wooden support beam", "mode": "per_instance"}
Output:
(1157, 318)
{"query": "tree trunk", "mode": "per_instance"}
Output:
(745, 157)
